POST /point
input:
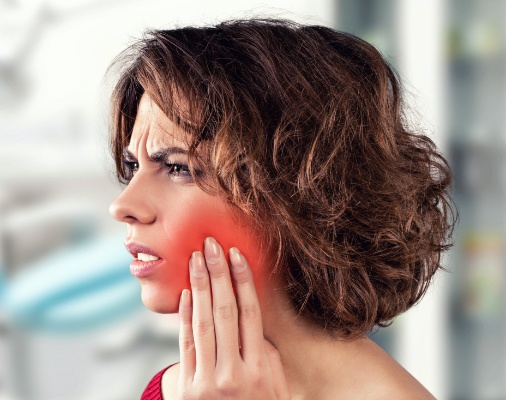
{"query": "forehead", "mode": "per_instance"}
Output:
(153, 129)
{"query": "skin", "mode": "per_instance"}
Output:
(250, 344)
(167, 212)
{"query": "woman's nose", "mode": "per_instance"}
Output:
(133, 205)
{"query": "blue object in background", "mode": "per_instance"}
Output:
(2, 283)
(81, 287)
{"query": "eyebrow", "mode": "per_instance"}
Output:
(159, 155)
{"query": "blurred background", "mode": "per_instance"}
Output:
(71, 322)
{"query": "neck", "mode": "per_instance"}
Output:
(310, 357)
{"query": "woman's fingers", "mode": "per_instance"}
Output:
(202, 321)
(212, 320)
(250, 319)
(224, 305)
(186, 342)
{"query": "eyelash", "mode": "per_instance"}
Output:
(178, 169)
(175, 169)
(130, 168)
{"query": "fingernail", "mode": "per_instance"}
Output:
(212, 250)
(185, 298)
(197, 263)
(237, 260)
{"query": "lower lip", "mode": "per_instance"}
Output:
(142, 269)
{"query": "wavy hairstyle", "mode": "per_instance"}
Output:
(305, 133)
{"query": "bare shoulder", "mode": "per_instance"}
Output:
(402, 391)
(361, 370)
(390, 381)
(402, 388)
(170, 380)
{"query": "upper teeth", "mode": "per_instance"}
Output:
(146, 257)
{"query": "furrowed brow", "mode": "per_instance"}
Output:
(157, 156)
(127, 155)
(161, 155)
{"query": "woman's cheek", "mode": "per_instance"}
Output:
(187, 232)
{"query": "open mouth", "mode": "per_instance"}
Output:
(146, 257)
(141, 253)
(145, 262)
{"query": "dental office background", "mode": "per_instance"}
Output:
(71, 322)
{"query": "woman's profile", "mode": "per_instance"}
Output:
(277, 200)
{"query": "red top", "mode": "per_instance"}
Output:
(154, 389)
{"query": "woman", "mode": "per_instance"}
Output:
(269, 171)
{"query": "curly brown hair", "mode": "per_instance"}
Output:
(304, 132)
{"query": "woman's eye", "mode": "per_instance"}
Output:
(178, 170)
(131, 168)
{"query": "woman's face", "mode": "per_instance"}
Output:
(168, 216)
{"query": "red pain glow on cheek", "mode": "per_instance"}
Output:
(187, 229)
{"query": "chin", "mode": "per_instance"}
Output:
(160, 301)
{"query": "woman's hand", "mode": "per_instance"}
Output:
(223, 351)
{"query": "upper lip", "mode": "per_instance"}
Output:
(134, 249)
